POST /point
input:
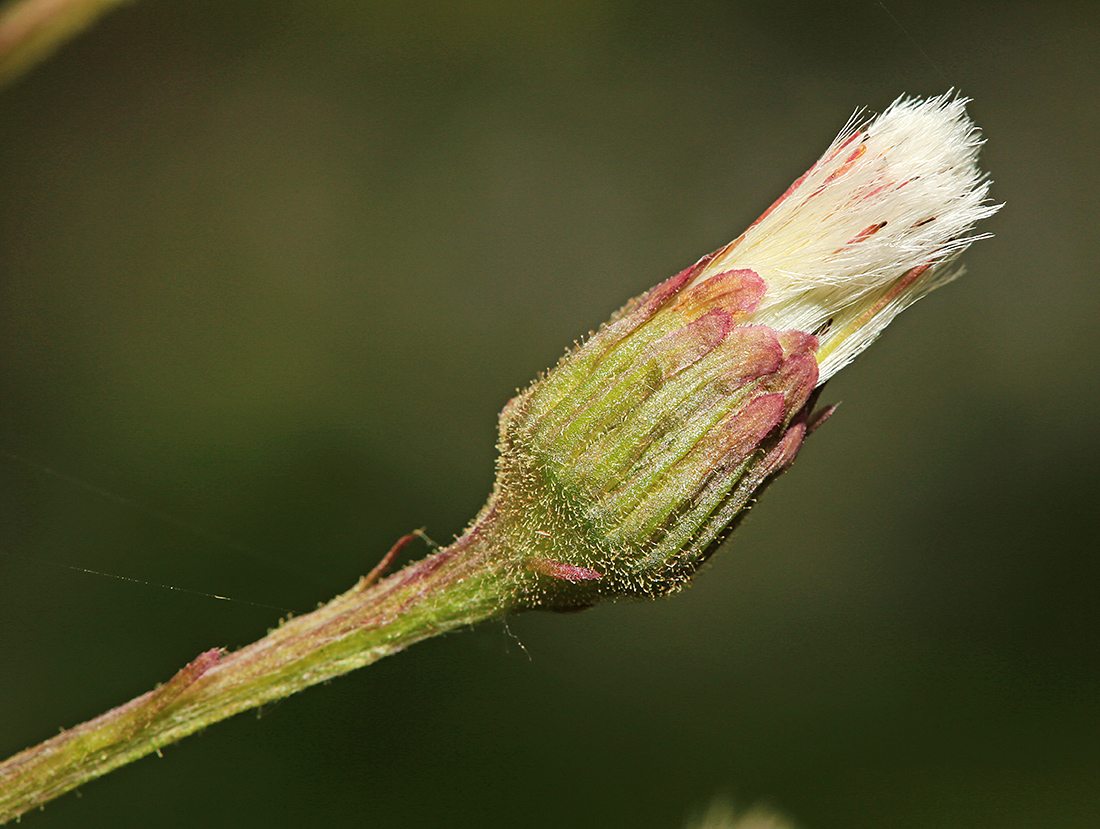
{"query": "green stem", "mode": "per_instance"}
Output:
(32, 30)
(463, 584)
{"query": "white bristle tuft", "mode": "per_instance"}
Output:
(900, 192)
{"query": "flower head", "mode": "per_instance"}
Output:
(622, 468)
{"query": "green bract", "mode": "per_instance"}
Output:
(620, 469)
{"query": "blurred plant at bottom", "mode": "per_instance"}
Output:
(722, 814)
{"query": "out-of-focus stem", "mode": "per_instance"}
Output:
(31, 30)
(457, 586)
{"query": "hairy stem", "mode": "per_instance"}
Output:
(457, 586)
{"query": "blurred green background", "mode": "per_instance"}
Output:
(269, 271)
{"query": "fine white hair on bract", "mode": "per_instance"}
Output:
(870, 228)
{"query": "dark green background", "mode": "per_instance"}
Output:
(269, 271)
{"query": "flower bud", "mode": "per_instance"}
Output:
(623, 467)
